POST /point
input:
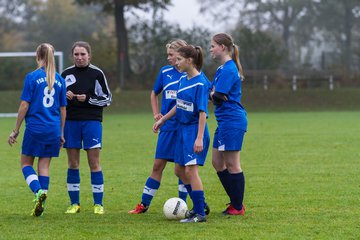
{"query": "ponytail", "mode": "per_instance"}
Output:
(236, 59)
(46, 59)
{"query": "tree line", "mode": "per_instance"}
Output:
(286, 36)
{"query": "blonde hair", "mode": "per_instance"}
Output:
(176, 44)
(45, 56)
(227, 41)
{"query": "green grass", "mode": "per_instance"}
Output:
(302, 182)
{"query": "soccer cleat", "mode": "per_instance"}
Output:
(195, 218)
(74, 208)
(98, 209)
(230, 210)
(140, 208)
(190, 213)
(39, 200)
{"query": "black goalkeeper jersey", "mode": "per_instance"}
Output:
(90, 81)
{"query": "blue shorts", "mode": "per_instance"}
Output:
(32, 146)
(87, 132)
(228, 139)
(184, 152)
(165, 147)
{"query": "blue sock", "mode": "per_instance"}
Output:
(198, 201)
(44, 183)
(73, 185)
(97, 182)
(238, 188)
(150, 188)
(225, 180)
(31, 178)
(182, 190)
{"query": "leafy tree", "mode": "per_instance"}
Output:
(259, 50)
(338, 18)
(118, 8)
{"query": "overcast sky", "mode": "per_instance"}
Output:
(186, 13)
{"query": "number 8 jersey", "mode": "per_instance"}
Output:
(43, 116)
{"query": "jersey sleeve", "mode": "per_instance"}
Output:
(101, 96)
(158, 86)
(63, 101)
(27, 90)
(202, 98)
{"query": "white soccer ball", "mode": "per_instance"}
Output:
(175, 208)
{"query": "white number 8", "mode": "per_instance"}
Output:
(48, 99)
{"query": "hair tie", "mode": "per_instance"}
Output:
(233, 45)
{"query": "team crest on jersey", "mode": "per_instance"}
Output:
(70, 80)
(184, 105)
(170, 94)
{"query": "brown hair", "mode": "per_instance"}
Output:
(227, 41)
(193, 52)
(45, 56)
(85, 45)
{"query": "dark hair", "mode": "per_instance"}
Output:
(195, 53)
(227, 41)
(85, 45)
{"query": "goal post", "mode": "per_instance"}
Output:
(60, 67)
(60, 55)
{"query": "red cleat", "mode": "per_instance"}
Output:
(140, 208)
(230, 210)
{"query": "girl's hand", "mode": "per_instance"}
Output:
(70, 95)
(157, 117)
(198, 145)
(12, 137)
(81, 97)
(157, 125)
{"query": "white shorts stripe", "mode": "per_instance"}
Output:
(149, 191)
(73, 187)
(31, 178)
(221, 148)
(192, 162)
(97, 188)
(96, 146)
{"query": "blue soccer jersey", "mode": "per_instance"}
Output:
(43, 116)
(167, 82)
(192, 97)
(227, 81)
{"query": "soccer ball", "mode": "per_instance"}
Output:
(175, 208)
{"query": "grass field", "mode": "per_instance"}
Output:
(302, 182)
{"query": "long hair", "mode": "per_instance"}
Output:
(83, 44)
(227, 41)
(45, 56)
(195, 53)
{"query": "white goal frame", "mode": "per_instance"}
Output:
(60, 55)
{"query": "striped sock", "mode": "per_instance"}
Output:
(31, 178)
(150, 188)
(182, 190)
(97, 182)
(44, 183)
(73, 185)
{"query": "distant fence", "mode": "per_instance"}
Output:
(295, 81)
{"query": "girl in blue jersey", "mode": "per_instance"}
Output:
(231, 118)
(193, 136)
(167, 84)
(43, 106)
